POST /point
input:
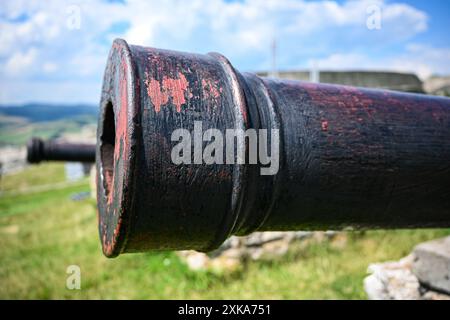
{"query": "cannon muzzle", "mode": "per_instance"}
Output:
(331, 156)
(39, 150)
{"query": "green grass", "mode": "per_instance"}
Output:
(43, 232)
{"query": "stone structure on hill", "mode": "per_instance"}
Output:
(438, 85)
(407, 82)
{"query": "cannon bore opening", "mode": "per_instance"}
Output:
(108, 141)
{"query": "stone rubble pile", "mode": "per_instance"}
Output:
(256, 246)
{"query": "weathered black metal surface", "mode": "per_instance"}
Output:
(349, 157)
(39, 150)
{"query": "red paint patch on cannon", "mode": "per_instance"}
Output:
(155, 94)
(169, 88)
(121, 124)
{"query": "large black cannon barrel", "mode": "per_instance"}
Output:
(39, 150)
(339, 156)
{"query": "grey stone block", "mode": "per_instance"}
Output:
(431, 264)
(394, 280)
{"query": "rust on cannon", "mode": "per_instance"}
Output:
(348, 157)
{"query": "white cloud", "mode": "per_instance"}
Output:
(19, 62)
(49, 67)
(424, 60)
(414, 20)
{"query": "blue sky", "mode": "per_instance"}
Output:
(55, 51)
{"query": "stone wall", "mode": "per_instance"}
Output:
(407, 82)
(438, 85)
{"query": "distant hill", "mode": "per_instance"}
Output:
(19, 123)
(45, 112)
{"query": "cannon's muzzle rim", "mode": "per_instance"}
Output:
(115, 153)
(35, 150)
